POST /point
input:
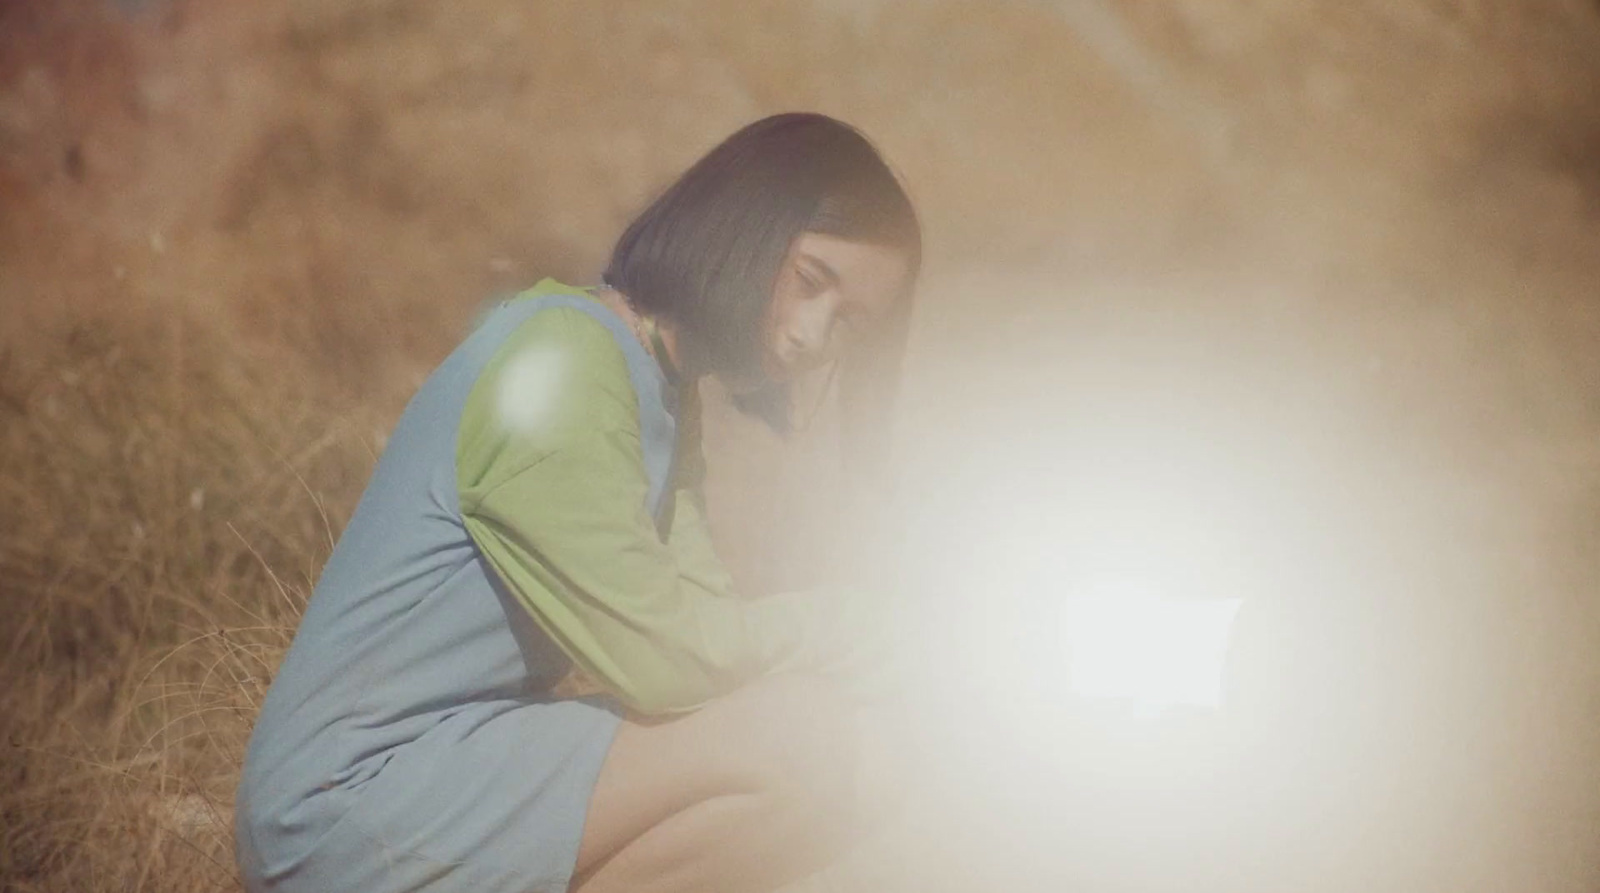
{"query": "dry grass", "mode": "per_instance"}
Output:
(166, 504)
(259, 219)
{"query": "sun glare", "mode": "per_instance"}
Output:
(1127, 643)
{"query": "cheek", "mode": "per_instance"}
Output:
(780, 316)
(772, 328)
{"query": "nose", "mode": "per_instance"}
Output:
(802, 342)
(808, 335)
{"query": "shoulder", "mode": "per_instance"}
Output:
(559, 361)
(565, 330)
(557, 379)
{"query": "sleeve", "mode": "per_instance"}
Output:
(553, 492)
(860, 638)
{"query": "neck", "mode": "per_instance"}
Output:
(670, 342)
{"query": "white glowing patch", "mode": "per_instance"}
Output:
(1128, 644)
(530, 387)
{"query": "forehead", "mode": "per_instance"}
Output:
(868, 273)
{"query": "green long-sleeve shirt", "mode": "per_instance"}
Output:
(551, 471)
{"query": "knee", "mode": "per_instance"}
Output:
(799, 750)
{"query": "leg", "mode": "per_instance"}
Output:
(745, 795)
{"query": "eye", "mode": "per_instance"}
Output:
(812, 285)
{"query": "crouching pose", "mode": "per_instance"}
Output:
(523, 668)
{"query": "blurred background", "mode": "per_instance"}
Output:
(1274, 299)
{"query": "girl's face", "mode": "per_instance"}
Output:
(829, 291)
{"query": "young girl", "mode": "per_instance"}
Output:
(523, 668)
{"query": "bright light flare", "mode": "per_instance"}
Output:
(530, 388)
(1128, 644)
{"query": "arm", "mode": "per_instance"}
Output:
(553, 489)
(855, 636)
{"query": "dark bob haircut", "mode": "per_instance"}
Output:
(707, 253)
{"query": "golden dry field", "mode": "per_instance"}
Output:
(1331, 270)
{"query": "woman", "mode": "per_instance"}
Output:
(523, 668)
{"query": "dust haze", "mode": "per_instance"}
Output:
(1328, 271)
